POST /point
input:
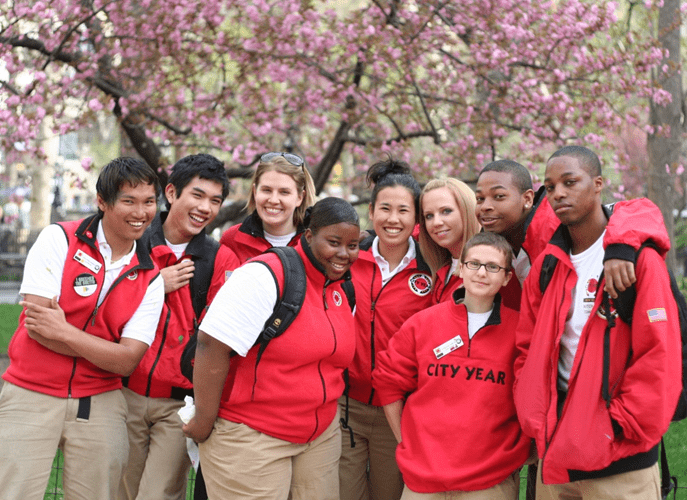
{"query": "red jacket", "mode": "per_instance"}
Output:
(621, 240)
(645, 366)
(380, 311)
(459, 426)
(292, 393)
(445, 285)
(39, 369)
(158, 375)
(247, 240)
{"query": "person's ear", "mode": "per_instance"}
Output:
(101, 203)
(370, 210)
(308, 235)
(507, 278)
(170, 193)
(528, 199)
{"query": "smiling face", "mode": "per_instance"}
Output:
(501, 207)
(574, 194)
(128, 217)
(192, 210)
(335, 247)
(393, 216)
(482, 284)
(276, 198)
(442, 219)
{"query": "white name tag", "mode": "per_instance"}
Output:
(448, 347)
(87, 261)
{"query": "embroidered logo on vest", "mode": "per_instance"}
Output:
(132, 275)
(337, 298)
(420, 284)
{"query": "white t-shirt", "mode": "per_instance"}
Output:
(588, 266)
(177, 249)
(521, 265)
(477, 321)
(43, 277)
(238, 312)
(383, 265)
(454, 265)
(279, 241)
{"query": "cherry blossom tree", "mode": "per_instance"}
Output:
(445, 85)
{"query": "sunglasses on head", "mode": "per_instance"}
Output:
(293, 159)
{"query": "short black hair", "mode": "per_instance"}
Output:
(392, 173)
(493, 240)
(521, 176)
(330, 211)
(122, 170)
(201, 165)
(588, 159)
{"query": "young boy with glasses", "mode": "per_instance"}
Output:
(457, 430)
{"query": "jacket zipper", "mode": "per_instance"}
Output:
(91, 320)
(159, 353)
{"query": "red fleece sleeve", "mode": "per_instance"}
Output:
(395, 373)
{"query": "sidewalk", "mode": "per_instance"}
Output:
(9, 292)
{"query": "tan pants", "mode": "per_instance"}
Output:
(375, 446)
(506, 490)
(158, 462)
(34, 425)
(241, 463)
(643, 484)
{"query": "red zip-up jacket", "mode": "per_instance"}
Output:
(459, 426)
(445, 285)
(380, 311)
(158, 375)
(590, 440)
(292, 393)
(247, 240)
(39, 369)
(621, 240)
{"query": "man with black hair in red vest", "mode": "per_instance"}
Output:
(92, 298)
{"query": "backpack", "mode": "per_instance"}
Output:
(286, 309)
(624, 306)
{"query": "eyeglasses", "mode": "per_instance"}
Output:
(490, 267)
(293, 159)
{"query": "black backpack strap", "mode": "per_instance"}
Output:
(289, 304)
(202, 276)
(668, 482)
(344, 419)
(610, 323)
(349, 290)
(547, 269)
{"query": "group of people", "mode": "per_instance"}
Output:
(449, 368)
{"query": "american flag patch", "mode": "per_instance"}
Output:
(658, 314)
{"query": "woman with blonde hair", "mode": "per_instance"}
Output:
(447, 222)
(281, 191)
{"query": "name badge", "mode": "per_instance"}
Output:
(448, 347)
(87, 261)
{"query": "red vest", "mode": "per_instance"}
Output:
(158, 375)
(292, 393)
(39, 369)
(247, 240)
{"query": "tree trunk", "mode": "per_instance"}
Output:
(664, 147)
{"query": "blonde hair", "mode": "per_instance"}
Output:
(435, 255)
(300, 176)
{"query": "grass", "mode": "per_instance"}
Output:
(9, 316)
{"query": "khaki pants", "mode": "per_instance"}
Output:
(375, 445)
(643, 484)
(34, 425)
(241, 463)
(158, 462)
(506, 490)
